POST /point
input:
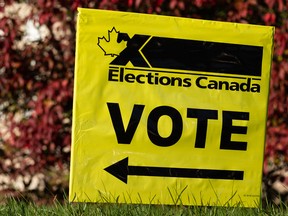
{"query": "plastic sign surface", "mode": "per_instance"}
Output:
(169, 110)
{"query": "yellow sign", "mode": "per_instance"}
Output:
(169, 110)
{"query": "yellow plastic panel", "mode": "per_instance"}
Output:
(169, 110)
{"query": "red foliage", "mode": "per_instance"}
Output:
(36, 74)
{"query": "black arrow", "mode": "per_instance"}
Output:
(121, 170)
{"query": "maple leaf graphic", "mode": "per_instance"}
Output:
(110, 46)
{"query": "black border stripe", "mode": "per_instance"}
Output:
(217, 57)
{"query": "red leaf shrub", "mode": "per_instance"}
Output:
(36, 79)
(36, 84)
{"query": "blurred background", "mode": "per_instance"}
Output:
(37, 49)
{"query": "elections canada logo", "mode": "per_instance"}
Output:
(153, 60)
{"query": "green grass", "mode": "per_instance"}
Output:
(16, 207)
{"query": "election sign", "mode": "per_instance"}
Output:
(168, 110)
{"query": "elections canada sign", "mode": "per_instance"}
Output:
(168, 110)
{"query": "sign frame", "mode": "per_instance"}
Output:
(154, 124)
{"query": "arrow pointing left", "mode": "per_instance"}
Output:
(121, 170)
